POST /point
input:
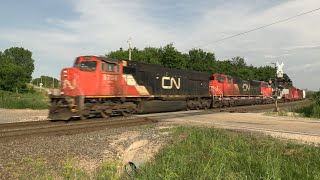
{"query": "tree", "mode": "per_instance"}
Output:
(172, 58)
(238, 61)
(16, 68)
(13, 77)
(200, 60)
(152, 55)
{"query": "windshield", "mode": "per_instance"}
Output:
(88, 66)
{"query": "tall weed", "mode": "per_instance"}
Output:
(207, 153)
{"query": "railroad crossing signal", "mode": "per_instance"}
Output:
(279, 68)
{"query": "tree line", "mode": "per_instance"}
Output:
(198, 60)
(46, 81)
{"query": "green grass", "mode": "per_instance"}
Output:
(34, 100)
(197, 153)
(207, 153)
(309, 110)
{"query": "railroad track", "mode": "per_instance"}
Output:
(18, 130)
(23, 129)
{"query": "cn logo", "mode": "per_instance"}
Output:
(169, 82)
(246, 87)
(67, 83)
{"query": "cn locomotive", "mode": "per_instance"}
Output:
(103, 87)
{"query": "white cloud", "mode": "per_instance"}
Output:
(309, 67)
(276, 56)
(303, 47)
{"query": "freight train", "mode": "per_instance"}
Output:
(103, 87)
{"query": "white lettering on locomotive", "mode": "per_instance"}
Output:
(172, 82)
(246, 87)
(107, 77)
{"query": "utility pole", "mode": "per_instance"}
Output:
(129, 42)
(278, 74)
(277, 87)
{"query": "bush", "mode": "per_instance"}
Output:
(316, 97)
(315, 111)
(32, 100)
(311, 109)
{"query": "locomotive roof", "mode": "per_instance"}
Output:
(108, 59)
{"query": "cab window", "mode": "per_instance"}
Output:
(220, 79)
(109, 67)
(229, 80)
(88, 66)
(76, 63)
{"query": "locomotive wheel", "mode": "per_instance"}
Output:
(124, 113)
(104, 114)
(84, 117)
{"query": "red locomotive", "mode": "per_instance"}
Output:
(100, 86)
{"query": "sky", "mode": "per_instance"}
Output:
(56, 32)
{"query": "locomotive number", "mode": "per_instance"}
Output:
(107, 77)
(169, 82)
(246, 87)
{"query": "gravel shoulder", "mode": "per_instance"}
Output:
(20, 115)
(88, 150)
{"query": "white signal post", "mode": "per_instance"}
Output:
(129, 42)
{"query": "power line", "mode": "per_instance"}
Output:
(255, 29)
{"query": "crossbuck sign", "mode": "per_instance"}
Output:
(279, 70)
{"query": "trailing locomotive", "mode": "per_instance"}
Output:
(291, 94)
(103, 87)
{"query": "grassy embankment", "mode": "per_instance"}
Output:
(31, 100)
(207, 153)
(313, 108)
(310, 109)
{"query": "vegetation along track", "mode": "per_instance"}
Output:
(14, 130)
